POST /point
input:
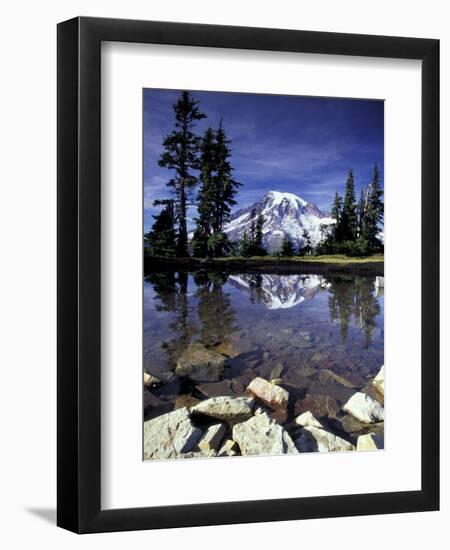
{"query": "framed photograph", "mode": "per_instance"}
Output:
(248, 256)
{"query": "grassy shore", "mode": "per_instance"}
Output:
(325, 259)
(370, 265)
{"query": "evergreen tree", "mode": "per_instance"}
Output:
(244, 249)
(160, 241)
(206, 196)
(362, 213)
(336, 213)
(225, 188)
(374, 212)
(287, 247)
(349, 222)
(216, 195)
(180, 154)
(307, 243)
(257, 244)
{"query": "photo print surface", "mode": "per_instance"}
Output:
(263, 245)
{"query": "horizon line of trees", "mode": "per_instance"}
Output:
(205, 162)
(357, 227)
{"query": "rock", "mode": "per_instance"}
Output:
(378, 382)
(200, 363)
(215, 389)
(229, 448)
(185, 400)
(276, 381)
(319, 405)
(198, 454)
(150, 380)
(364, 408)
(151, 401)
(262, 436)
(273, 396)
(280, 416)
(340, 393)
(355, 427)
(227, 348)
(307, 420)
(277, 371)
(313, 439)
(370, 442)
(212, 438)
(170, 435)
(326, 375)
(307, 371)
(230, 409)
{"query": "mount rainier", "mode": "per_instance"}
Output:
(284, 214)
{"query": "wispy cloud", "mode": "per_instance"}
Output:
(302, 145)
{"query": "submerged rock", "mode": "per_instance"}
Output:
(216, 389)
(230, 409)
(212, 438)
(271, 395)
(313, 439)
(370, 442)
(318, 404)
(262, 436)
(185, 400)
(170, 435)
(200, 363)
(364, 408)
(227, 348)
(327, 375)
(277, 371)
(355, 427)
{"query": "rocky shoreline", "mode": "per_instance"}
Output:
(265, 417)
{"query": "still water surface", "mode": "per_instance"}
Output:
(276, 326)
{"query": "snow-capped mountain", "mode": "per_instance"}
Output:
(284, 214)
(279, 291)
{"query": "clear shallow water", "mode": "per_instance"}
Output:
(295, 327)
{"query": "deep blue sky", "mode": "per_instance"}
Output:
(301, 145)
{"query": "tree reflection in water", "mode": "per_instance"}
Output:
(214, 307)
(354, 297)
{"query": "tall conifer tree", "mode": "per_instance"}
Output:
(349, 222)
(181, 148)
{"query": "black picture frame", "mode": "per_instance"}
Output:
(79, 280)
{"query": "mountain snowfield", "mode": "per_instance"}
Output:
(284, 214)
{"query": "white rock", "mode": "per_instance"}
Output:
(270, 394)
(230, 409)
(364, 408)
(228, 448)
(308, 419)
(313, 439)
(150, 380)
(370, 442)
(262, 436)
(378, 382)
(212, 438)
(170, 435)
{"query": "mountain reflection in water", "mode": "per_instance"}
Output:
(299, 320)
